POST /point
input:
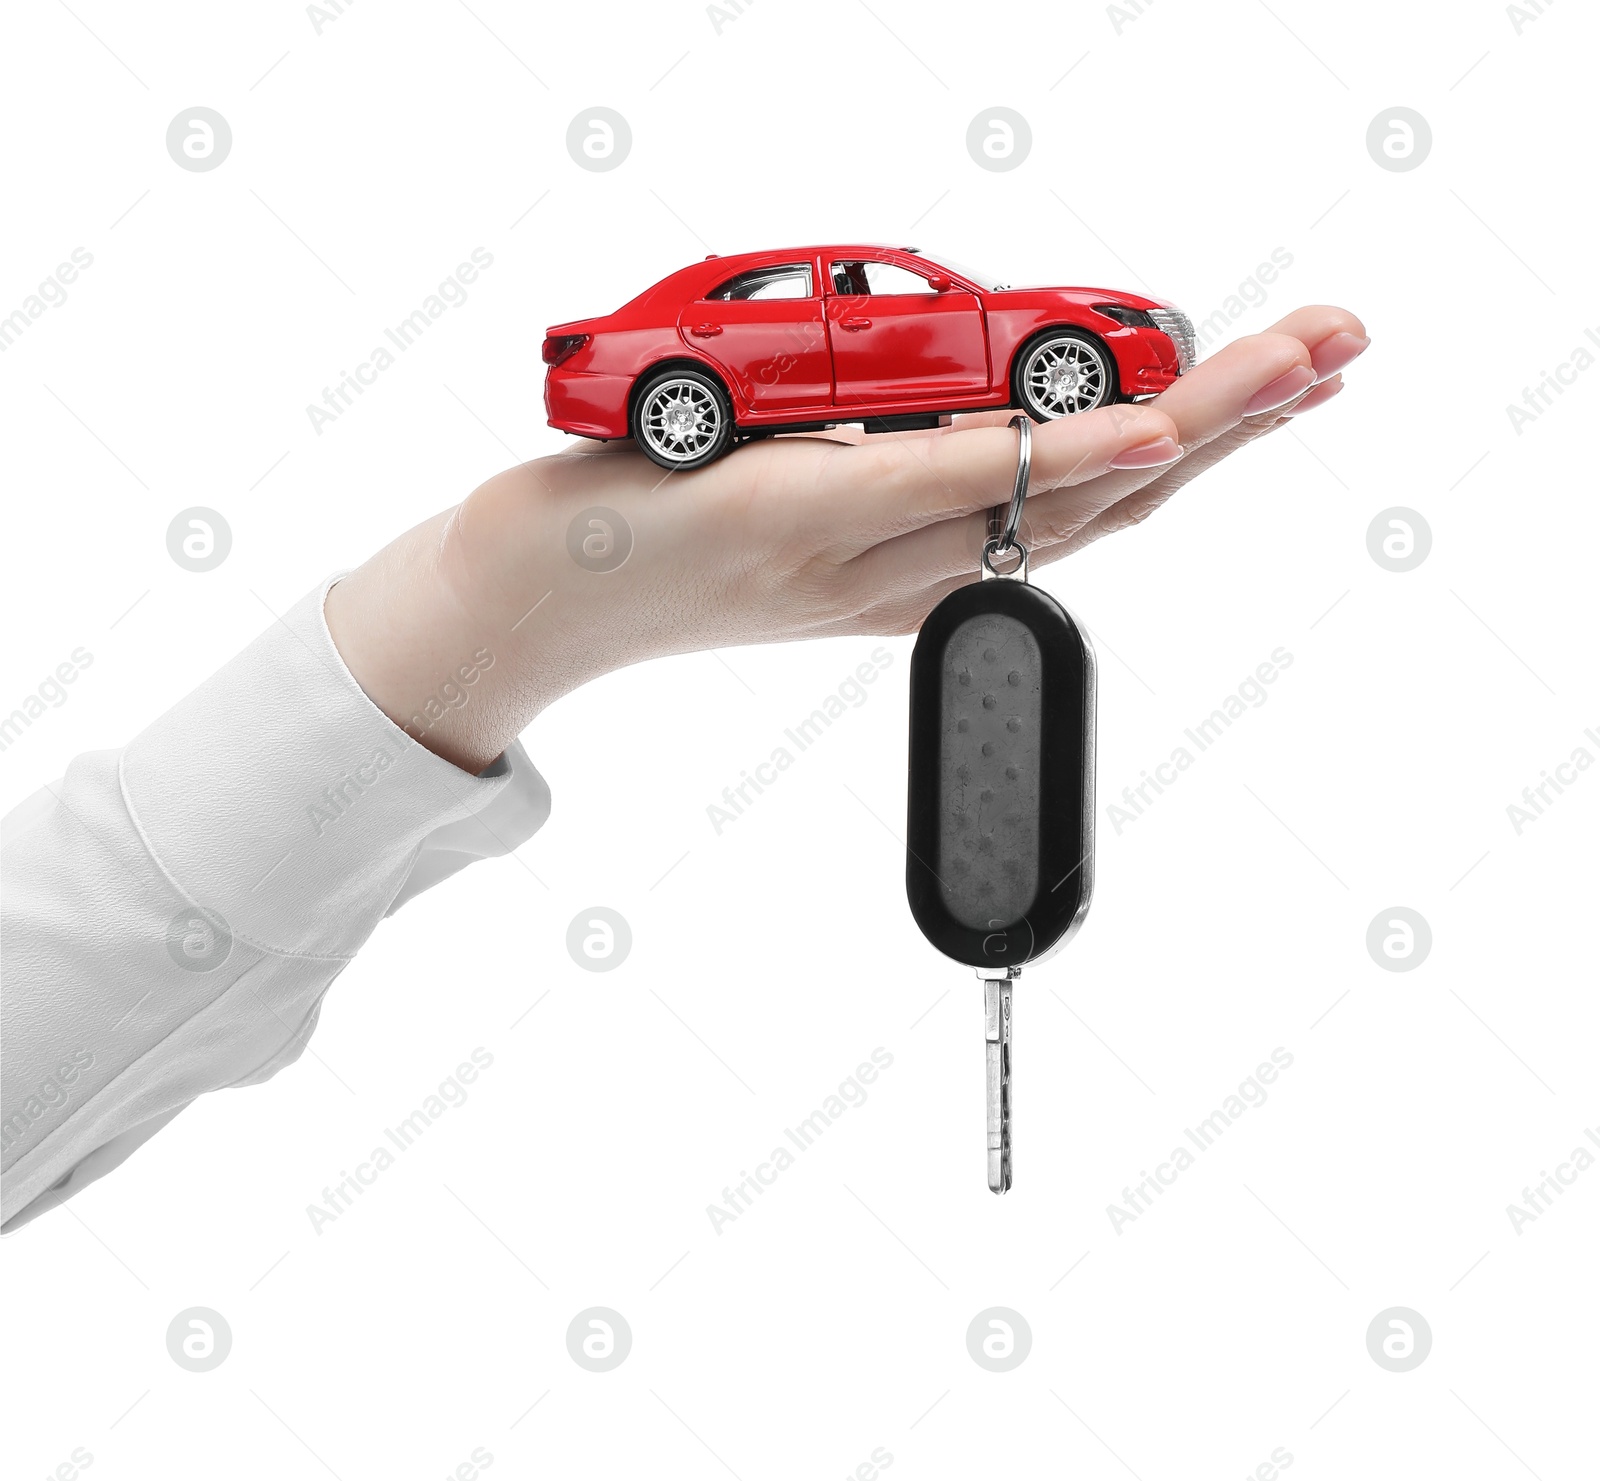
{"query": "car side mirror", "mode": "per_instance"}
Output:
(939, 283)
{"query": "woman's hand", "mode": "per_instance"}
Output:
(793, 537)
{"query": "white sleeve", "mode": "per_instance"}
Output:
(173, 912)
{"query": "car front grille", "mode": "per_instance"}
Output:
(1180, 331)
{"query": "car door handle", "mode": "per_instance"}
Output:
(855, 324)
(706, 331)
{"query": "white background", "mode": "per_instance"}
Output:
(830, 1319)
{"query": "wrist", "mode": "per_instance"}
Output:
(417, 651)
(464, 628)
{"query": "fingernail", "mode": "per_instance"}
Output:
(1313, 399)
(1275, 393)
(1148, 454)
(1335, 352)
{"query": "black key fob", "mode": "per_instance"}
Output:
(1000, 814)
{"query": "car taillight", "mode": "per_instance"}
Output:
(559, 347)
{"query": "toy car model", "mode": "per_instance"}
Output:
(810, 337)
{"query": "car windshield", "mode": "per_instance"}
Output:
(987, 281)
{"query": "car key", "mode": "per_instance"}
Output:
(1000, 812)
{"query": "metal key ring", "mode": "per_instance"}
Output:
(1018, 572)
(1004, 520)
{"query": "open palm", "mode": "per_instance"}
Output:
(793, 537)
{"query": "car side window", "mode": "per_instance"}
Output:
(876, 280)
(792, 280)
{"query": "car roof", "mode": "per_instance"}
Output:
(830, 249)
(701, 277)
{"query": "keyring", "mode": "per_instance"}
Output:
(992, 548)
(1004, 520)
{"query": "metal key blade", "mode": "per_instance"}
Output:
(997, 1078)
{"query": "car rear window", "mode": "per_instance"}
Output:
(791, 280)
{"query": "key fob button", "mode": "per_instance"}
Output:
(1000, 813)
(987, 860)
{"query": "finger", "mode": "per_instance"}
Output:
(1234, 398)
(1318, 395)
(1140, 505)
(880, 490)
(1251, 377)
(1169, 480)
(901, 607)
(1241, 381)
(1333, 336)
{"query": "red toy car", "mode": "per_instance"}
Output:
(809, 337)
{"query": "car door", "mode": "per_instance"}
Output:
(764, 328)
(895, 338)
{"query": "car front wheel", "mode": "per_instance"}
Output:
(1061, 373)
(682, 419)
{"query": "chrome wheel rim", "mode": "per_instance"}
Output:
(1064, 376)
(680, 420)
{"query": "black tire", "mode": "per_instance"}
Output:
(681, 419)
(1093, 382)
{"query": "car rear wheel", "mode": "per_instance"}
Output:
(682, 419)
(1063, 372)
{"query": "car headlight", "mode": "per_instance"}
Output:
(1128, 318)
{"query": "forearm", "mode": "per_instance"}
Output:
(174, 912)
